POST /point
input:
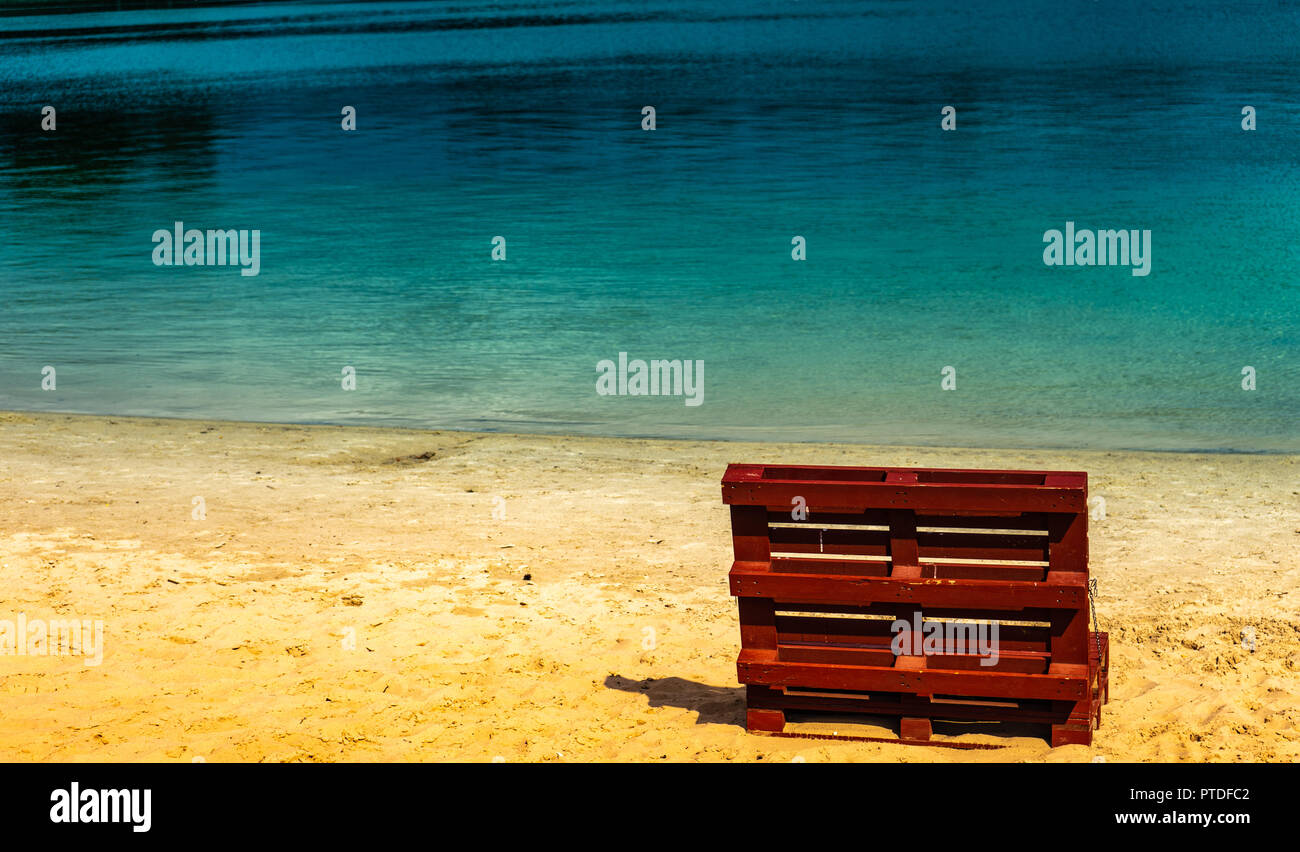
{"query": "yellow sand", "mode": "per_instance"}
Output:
(351, 596)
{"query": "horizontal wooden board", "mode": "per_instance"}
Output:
(823, 473)
(753, 579)
(881, 656)
(836, 630)
(970, 545)
(759, 666)
(848, 489)
(814, 540)
(960, 571)
(1028, 522)
(810, 565)
(1032, 616)
(892, 704)
(813, 518)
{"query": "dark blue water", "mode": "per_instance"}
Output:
(775, 119)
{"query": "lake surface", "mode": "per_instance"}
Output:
(774, 119)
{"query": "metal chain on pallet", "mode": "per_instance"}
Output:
(1092, 602)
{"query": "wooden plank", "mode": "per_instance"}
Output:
(1035, 522)
(858, 496)
(990, 546)
(882, 656)
(914, 728)
(851, 489)
(815, 518)
(860, 631)
(1008, 661)
(1039, 617)
(856, 568)
(1069, 643)
(757, 623)
(749, 534)
(902, 544)
(751, 580)
(968, 571)
(762, 667)
(815, 540)
(1067, 553)
(1032, 522)
(737, 473)
(898, 704)
(838, 655)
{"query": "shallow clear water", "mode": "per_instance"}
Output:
(819, 119)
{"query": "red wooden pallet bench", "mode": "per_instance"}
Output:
(827, 558)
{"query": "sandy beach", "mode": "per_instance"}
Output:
(295, 593)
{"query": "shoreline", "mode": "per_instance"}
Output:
(369, 593)
(559, 433)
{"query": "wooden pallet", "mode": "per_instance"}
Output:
(828, 558)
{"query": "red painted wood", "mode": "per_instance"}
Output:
(914, 728)
(854, 496)
(843, 655)
(750, 579)
(812, 539)
(765, 720)
(1017, 548)
(749, 534)
(831, 630)
(808, 565)
(1039, 617)
(865, 518)
(815, 472)
(1070, 636)
(757, 623)
(857, 489)
(762, 667)
(903, 555)
(901, 704)
(960, 571)
(960, 544)
(1035, 522)
(1068, 551)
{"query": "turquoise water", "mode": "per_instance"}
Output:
(775, 119)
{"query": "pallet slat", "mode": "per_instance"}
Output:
(757, 666)
(757, 580)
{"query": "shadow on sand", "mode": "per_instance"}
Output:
(716, 705)
(725, 705)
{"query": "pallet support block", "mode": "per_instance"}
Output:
(914, 728)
